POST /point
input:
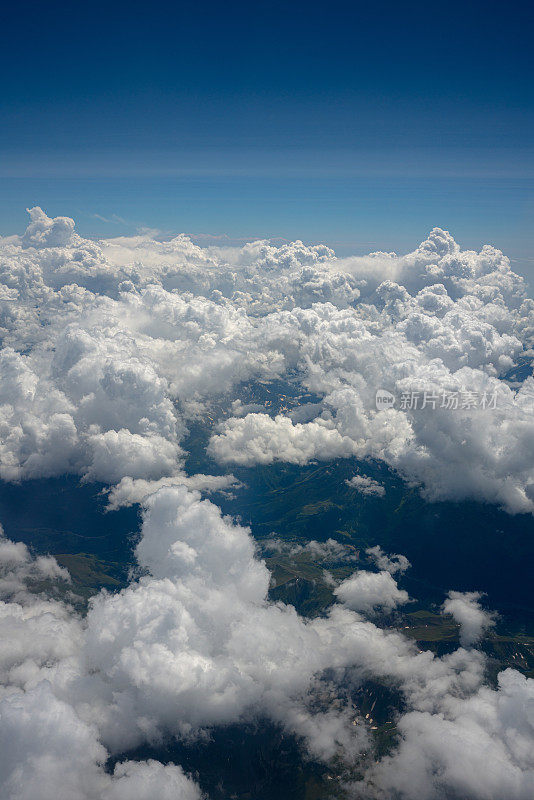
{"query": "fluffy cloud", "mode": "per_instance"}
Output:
(331, 550)
(18, 568)
(466, 610)
(130, 491)
(195, 643)
(45, 232)
(48, 750)
(369, 592)
(477, 747)
(50, 753)
(258, 439)
(392, 564)
(366, 485)
(111, 352)
(112, 348)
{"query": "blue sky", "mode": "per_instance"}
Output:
(356, 125)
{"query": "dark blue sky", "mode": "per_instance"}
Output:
(337, 121)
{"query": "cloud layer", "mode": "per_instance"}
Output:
(112, 348)
(111, 352)
(196, 643)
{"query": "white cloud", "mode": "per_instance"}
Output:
(258, 439)
(50, 753)
(371, 591)
(392, 564)
(130, 491)
(45, 232)
(110, 350)
(466, 610)
(366, 485)
(331, 550)
(144, 780)
(477, 747)
(134, 337)
(196, 644)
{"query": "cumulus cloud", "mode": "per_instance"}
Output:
(195, 643)
(110, 353)
(18, 569)
(45, 232)
(366, 485)
(258, 439)
(476, 747)
(50, 753)
(392, 564)
(331, 550)
(371, 591)
(47, 749)
(466, 611)
(112, 348)
(130, 491)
